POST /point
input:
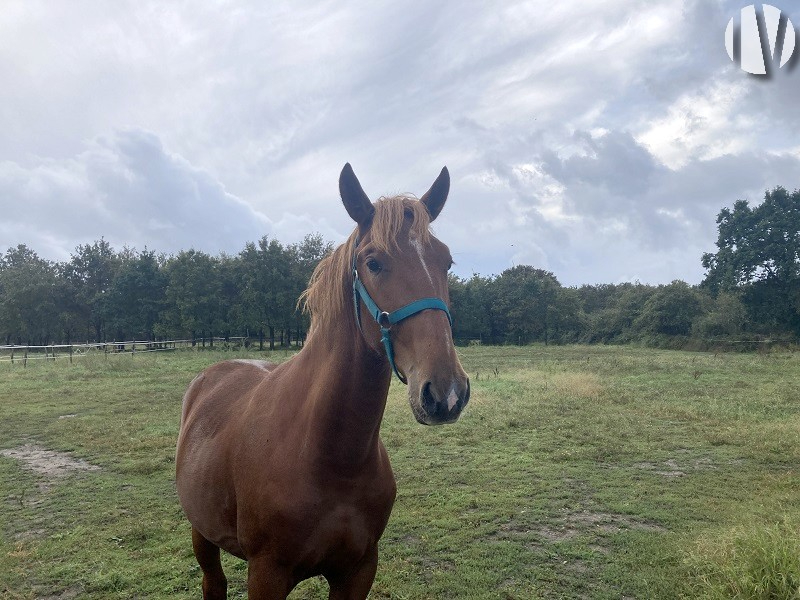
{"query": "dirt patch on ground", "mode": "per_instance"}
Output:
(68, 594)
(609, 522)
(573, 524)
(52, 468)
(678, 467)
(48, 463)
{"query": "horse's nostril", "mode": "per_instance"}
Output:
(442, 409)
(428, 401)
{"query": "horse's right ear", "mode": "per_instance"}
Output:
(355, 200)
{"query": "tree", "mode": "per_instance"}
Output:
(610, 310)
(307, 255)
(230, 291)
(192, 297)
(524, 301)
(136, 296)
(727, 316)
(758, 253)
(28, 311)
(268, 300)
(89, 274)
(469, 304)
(565, 319)
(304, 258)
(671, 310)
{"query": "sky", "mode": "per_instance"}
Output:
(596, 140)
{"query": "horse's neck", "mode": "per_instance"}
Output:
(348, 387)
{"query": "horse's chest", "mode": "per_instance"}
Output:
(353, 521)
(345, 532)
(338, 529)
(316, 524)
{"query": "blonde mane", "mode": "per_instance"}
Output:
(329, 296)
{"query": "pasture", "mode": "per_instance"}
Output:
(575, 472)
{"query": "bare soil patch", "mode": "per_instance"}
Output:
(674, 468)
(68, 594)
(48, 463)
(573, 524)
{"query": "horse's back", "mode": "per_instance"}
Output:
(216, 402)
(224, 385)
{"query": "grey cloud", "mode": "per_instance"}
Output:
(614, 162)
(130, 190)
(255, 107)
(626, 216)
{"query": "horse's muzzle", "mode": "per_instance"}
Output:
(438, 406)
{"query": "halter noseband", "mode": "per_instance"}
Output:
(386, 319)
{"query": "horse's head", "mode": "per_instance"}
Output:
(401, 295)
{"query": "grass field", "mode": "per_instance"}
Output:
(575, 472)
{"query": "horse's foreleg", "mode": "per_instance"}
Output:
(215, 586)
(266, 581)
(356, 584)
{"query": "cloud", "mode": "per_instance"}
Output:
(595, 140)
(128, 189)
(703, 125)
(608, 210)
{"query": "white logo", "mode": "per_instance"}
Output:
(751, 39)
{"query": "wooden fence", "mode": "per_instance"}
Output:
(22, 354)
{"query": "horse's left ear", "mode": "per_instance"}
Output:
(435, 197)
(354, 198)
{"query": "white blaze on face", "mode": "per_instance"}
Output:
(452, 397)
(417, 245)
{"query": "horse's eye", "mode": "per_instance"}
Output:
(374, 266)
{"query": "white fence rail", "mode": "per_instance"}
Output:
(22, 354)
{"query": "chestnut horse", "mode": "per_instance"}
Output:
(283, 465)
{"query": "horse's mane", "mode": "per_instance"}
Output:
(329, 296)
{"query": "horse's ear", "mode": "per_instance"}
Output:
(435, 197)
(355, 200)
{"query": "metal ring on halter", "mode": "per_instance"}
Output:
(384, 320)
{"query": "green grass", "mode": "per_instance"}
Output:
(576, 472)
(757, 560)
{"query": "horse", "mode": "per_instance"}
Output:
(282, 465)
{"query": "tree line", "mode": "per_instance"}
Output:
(751, 290)
(102, 295)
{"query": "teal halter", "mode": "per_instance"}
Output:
(386, 319)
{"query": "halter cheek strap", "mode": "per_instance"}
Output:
(386, 319)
